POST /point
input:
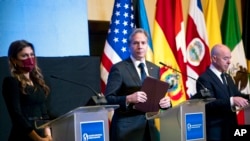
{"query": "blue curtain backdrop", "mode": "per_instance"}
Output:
(59, 31)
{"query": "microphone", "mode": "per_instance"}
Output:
(204, 93)
(98, 98)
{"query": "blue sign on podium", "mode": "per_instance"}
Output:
(92, 131)
(194, 126)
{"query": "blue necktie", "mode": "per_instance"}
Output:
(143, 72)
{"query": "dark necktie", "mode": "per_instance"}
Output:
(143, 72)
(223, 77)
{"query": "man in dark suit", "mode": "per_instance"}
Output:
(220, 118)
(123, 88)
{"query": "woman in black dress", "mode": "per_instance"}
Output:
(25, 93)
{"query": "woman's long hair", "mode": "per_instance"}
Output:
(35, 75)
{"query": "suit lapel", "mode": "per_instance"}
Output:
(215, 78)
(218, 82)
(228, 84)
(132, 71)
(150, 69)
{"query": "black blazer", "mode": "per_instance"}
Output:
(127, 123)
(220, 119)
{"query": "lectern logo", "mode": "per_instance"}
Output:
(194, 126)
(189, 126)
(85, 137)
(92, 130)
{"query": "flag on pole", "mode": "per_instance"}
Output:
(142, 22)
(231, 36)
(198, 55)
(212, 23)
(169, 46)
(116, 46)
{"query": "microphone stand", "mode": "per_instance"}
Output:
(98, 98)
(205, 94)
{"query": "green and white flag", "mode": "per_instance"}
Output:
(231, 36)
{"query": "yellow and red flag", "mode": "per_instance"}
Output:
(169, 46)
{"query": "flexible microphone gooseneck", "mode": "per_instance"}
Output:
(204, 92)
(98, 98)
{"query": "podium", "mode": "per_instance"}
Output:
(246, 111)
(184, 122)
(246, 115)
(82, 124)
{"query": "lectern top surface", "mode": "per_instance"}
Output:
(83, 109)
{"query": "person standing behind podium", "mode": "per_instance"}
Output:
(25, 93)
(220, 119)
(123, 88)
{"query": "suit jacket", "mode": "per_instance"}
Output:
(220, 119)
(127, 123)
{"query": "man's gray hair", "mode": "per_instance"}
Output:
(138, 30)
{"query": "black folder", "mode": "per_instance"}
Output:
(155, 90)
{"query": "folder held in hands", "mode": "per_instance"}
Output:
(155, 90)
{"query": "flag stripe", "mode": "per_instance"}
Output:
(212, 23)
(166, 37)
(116, 46)
(142, 18)
(231, 36)
(143, 21)
(198, 57)
(165, 24)
(111, 54)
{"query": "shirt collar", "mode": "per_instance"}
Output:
(137, 62)
(216, 71)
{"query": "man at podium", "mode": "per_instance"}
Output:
(220, 119)
(123, 88)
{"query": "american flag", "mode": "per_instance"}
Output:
(116, 45)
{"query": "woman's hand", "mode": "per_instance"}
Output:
(48, 138)
(47, 133)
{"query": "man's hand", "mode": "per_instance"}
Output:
(240, 102)
(165, 102)
(137, 97)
